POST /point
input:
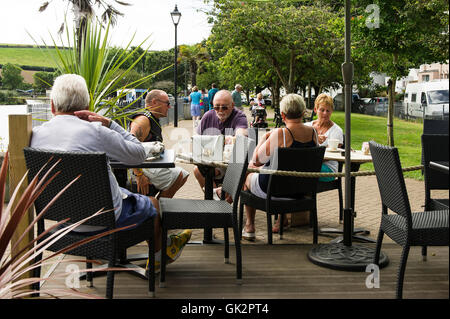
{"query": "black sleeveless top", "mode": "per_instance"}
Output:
(155, 134)
(263, 179)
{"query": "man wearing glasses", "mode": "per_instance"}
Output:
(222, 119)
(147, 128)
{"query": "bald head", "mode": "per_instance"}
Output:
(223, 104)
(154, 94)
(158, 103)
(225, 95)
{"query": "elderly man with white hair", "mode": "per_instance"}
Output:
(75, 128)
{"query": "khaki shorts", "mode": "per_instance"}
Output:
(162, 178)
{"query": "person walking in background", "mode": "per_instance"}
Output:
(195, 98)
(211, 94)
(236, 95)
(204, 104)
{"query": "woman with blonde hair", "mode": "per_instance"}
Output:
(326, 130)
(295, 134)
(259, 101)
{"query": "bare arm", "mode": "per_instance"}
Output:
(140, 128)
(266, 147)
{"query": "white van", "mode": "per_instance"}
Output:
(426, 99)
(129, 95)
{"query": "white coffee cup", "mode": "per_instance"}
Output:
(365, 148)
(333, 143)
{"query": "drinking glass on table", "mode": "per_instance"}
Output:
(321, 138)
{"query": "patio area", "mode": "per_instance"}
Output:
(283, 269)
(277, 272)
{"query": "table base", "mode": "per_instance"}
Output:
(356, 231)
(340, 257)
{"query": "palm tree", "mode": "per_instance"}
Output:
(84, 10)
(194, 55)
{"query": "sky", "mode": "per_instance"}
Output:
(144, 17)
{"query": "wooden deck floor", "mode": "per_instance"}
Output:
(279, 272)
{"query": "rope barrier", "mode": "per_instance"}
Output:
(187, 160)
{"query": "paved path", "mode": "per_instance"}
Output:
(368, 203)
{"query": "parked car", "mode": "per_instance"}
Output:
(357, 105)
(244, 99)
(376, 106)
(381, 105)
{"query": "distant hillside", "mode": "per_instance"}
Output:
(26, 56)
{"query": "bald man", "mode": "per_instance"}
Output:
(222, 119)
(146, 127)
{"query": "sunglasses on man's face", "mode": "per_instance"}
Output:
(220, 107)
(164, 102)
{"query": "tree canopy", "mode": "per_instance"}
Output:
(403, 34)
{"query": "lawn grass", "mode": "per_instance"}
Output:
(27, 56)
(367, 127)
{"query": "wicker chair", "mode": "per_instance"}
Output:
(432, 127)
(334, 184)
(435, 126)
(303, 189)
(429, 228)
(86, 196)
(188, 213)
(434, 148)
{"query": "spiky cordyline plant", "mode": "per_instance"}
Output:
(17, 263)
(92, 61)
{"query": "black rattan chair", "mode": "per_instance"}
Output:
(302, 189)
(435, 126)
(177, 213)
(429, 228)
(434, 148)
(86, 196)
(334, 184)
(432, 127)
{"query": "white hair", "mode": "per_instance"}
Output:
(70, 93)
(293, 106)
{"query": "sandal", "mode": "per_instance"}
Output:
(248, 236)
(276, 227)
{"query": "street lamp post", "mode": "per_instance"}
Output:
(176, 15)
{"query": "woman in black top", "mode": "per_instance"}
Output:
(296, 134)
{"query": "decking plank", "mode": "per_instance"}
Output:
(280, 271)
